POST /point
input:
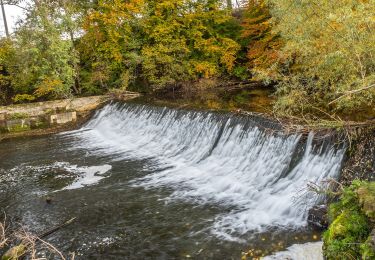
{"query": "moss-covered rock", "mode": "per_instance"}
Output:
(368, 248)
(348, 236)
(366, 196)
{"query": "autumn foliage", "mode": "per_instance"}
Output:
(162, 42)
(319, 53)
(264, 44)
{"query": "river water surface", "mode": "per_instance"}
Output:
(158, 183)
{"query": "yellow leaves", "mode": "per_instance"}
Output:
(175, 40)
(47, 86)
(230, 49)
(23, 97)
(168, 5)
(228, 60)
(205, 68)
(113, 15)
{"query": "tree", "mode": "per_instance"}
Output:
(162, 42)
(43, 64)
(263, 50)
(6, 53)
(110, 47)
(183, 42)
(331, 48)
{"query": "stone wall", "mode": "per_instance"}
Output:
(41, 115)
(51, 116)
(50, 107)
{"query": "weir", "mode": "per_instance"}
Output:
(216, 159)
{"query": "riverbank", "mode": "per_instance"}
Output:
(41, 118)
(256, 100)
(49, 117)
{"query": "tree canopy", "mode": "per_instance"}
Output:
(319, 54)
(330, 45)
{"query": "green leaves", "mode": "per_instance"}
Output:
(331, 46)
(162, 42)
(43, 58)
(350, 223)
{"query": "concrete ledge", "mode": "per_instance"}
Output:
(21, 120)
(50, 107)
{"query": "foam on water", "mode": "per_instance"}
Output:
(214, 159)
(83, 175)
(309, 251)
(87, 175)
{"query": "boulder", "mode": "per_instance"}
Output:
(318, 217)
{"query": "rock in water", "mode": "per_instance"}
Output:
(318, 217)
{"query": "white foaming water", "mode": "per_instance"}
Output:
(309, 251)
(212, 159)
(85, 175)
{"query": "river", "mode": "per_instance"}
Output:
(158, 183)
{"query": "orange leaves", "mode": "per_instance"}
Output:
(264, 46)
(264, 52)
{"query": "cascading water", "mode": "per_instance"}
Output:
(215, 159)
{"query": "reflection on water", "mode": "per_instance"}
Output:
(149, 182)
(255, 99)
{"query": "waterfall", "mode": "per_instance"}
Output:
(217, 159)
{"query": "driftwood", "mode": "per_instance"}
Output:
(21, 249)
(54, 229)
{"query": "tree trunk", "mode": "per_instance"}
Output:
(5, 19)
(229, 4)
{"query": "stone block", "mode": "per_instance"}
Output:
(3, 116)
(63, 118)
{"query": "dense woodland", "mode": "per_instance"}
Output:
(318, 54)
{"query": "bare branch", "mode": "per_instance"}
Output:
(351, 92)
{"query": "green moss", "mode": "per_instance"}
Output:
(366, 195)
(18, 116)
(49, 111)
(39, 124)
(367, 249)
(3, 130)
(19, 128)
(348, 233)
